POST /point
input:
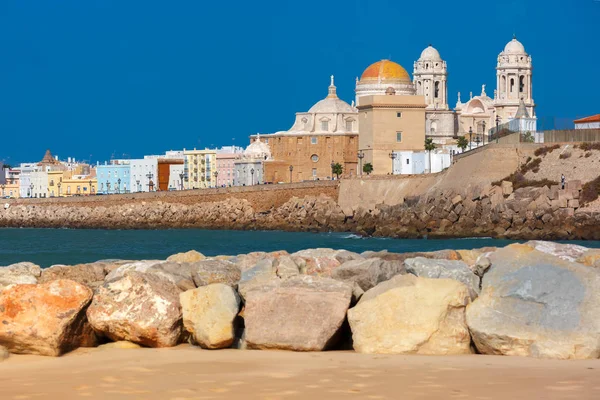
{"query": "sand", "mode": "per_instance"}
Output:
(186, 372)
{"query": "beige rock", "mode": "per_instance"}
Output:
(20, 273)
(189, 257)
(209, 313)
(3, 353)
(411, 315)
(568, 252)
(122, 344)
(591, 258)
(91, 275)
(46, 319)
(209, 271)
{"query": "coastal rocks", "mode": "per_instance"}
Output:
(20, 273)
(90, 275)
(121, 345)
(569, 252)
(591, 258)
(449, 269)
(46, 319)
(367, 273)
(322, 262)
(538, 305)
(138, 307)
(209, 271)
(3, 353)
(179, 274)
(412, 315)
(303, 313)
(209, 313)
(188, 257)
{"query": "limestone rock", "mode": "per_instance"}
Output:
(188, 257)
(20, 273)
(207, 272)
(179, 274)
(140, 308)
(569, 252)
(449, 269)
(91, 275)
(46, 319)
(3, 353)
(122, 344)
(412, 315)
(302, 313)
(367, 273)
(322, 262)
(209, 313)
(535, 304)
(591, 258)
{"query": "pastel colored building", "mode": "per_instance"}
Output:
(200, 168)
(226, 157)
(165, 166)
(176, 177)
(55, 183)
(39, 184)
(143, 175)
(78, 186)
(114, 178)
(25, 189)
(592, 122)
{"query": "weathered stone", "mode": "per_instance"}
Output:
(20, 273)
(535, 304)
(322, 262)
(179, 274)
(507, 188)
(91, 275)
(367, 273)
(3, 353)
(303, 313)
(411, 315)
(456, 199)
(209, 313)
(569, 252)
(188, 257)
(591, 258)
(122, 344)
(440, 269)
(46, 319)
(286, 267)
(139, 307)
(573, 203)
(207, 272)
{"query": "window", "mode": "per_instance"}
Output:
(299, 141)
(398, 137)
(68, 189)
(407, 161)
(314, 172)
(521, 84)
(313, 140)
(325, 125)
(349, 125)
(437, 90)
(512, 85)
(314, 158)
(398, 115)
(267, 141)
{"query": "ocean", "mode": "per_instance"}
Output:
(47, 247)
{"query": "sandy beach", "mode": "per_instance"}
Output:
(187, 372)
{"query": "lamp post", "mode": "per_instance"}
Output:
(59, 185)
(361, 155)
(3, 186)
(181, 180)
(138, 186)
(332, 164)
(119, 185)
(31, 191)
(291, 169)
(252, 173)
(107, 187)
(497, 123)
(90, 182)
(393, 157)
(216, 178)
(470, 138)
(483, 134)
(149, 176)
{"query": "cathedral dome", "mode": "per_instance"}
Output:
(385, 70)
(331, 104)
(257, 149)
(430, 54)
(514, 47)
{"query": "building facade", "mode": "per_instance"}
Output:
(226, 157)
(200, 168)
(114, 178)
(249, 167)
(592, 122)
(176, 177)
(25, 179)
(164, 172)
(39, 184)
(143, 174)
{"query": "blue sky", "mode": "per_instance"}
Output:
(93, 79)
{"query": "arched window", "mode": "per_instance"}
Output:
(436, 93)
(512, 85)
(521, 84)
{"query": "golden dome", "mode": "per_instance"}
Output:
(385, 70)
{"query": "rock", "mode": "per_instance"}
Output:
(482, 265)
(138, 307)
(449, 269)
(591, 258)
(91, 275)
(189, 257)
(207, 272)
(261, 275)
(122, 344)
(568, 252)
(507, 188)
(3, 353)
(46, 319)
(209, 313)
(286, 267)
(538, 305)
(322, 262)
(20, 273)
(411, 315)
(367, 273)
(303, 313)
(179, 274)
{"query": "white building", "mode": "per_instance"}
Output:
(249, 168)
(39, 180)
(143, 175)
(592, 122)
(417, 162)
(176, 177)
(25, 179)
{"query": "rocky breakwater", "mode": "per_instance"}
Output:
(539, 299)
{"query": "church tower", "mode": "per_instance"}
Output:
(430, 79)
(513, 81)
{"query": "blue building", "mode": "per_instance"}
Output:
(113, 178)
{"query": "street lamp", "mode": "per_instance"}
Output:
(483, 134)
(470, 137)
(149, 176)
(497, 123)
(332, 165)
(119, 185)
(291, 169)
(3, 186)
(59, 194)
(252, 173)
(31, 191)
(361, 155)
(393, 157)
(216, 178)
(107, 187)
(90, 182)
(181, 180)
(139, 188)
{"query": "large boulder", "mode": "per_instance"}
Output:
(411, 315)
(188, 257)
(591, 258)
(209, 313)
(322, 262)
(569, 252)
(91, 275)
(207, 272)
(367, 273)
(303, 313)
(20, 273)
(444, 269)
(179, 274)
(47, 319)
(535, 304)
(138, 307)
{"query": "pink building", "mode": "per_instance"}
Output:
(226, 157)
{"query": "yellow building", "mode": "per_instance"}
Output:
(10, 189)
(54, 183)
(65, 184)
(200, 169)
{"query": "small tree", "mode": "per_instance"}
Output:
(429, 145)
(528, 137)
(6, 166)
(462, 143)
(337, 169)
(368, 168)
